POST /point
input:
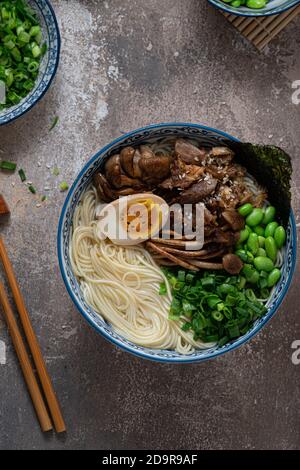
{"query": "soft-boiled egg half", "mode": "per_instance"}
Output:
(130, 220)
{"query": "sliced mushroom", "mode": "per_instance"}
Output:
(169, 256)
(154, 168)
(106, 192)
(126, 160)
(115, 175)
(232, 263)
(234, 219)
(206, 265)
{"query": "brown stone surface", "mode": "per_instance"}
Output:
(124, 64)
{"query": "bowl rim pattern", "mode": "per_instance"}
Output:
(253, 13)
(118, 340)
(38, 93)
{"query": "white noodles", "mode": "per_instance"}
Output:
(122, 285)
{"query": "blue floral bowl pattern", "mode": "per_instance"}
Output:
(207, 136)
(49, 62)
(273, 7)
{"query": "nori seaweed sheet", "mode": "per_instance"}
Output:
(272, 168)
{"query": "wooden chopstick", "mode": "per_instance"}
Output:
(24, 360)
(33, 343)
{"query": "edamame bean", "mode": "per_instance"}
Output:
(250, 274)
(246, 209)
(280, 236)
(244, 234)
(252, 243)
(261, 252)
(271, 248)
(236, 3)
(262, 263)
(270, 229)
(256, 4)
(255, 217)
(269, 216)
(274, 277)
(259, 230)
(261, 241)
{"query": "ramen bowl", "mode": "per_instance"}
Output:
(209, 137)
(273, 7)
(49, 62)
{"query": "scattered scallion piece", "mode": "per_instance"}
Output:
(9, 166)
(22, 175)
(32, 189)
(44, 198)
(64, 186)
(54, 122)
(56, 171)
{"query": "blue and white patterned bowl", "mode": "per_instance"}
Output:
(83, 180)
(273, 7)
(48, 65)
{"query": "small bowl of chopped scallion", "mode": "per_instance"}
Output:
(29, 54)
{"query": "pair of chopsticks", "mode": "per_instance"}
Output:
(30, 378)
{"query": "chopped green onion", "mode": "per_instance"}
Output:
(32, 189)
(64, 186)
(56, 171)
(20, 49)
(22, 175)
(9, 166)
(162, 289)
(44, 198)
(54, 122)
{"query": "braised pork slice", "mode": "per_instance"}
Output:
(189, 153)
(116, 177)
(234, 219)
(198, 191)
(182, 175)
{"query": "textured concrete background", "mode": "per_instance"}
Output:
(124, 64)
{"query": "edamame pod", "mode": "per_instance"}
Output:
(274, 277)
(262, 263)
(280, 236)
(270, 229)
(261, 241)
